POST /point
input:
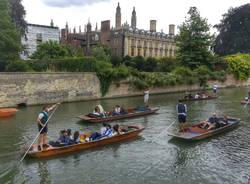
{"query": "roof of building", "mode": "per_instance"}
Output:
(44, 26)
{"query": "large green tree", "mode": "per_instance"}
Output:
(10, 43)
(51, 50)
(194, 41)
(234, 31)
(17, 15)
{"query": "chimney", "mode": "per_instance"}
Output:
(171, 29)
(152, 25)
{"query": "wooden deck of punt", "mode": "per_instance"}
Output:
(7, 112)
(198, 99)
(55, 151)
(196, 133)
(245, 102)
(131, 113)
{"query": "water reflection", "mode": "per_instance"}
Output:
(43, 172)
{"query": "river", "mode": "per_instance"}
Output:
(152, 158)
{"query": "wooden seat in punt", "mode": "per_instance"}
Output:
(132, 133)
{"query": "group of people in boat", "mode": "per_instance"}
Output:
(198, 95)
(214, 122)
(66, 138)
(100, 113)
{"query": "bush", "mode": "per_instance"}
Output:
(239, 65)
(18, 66)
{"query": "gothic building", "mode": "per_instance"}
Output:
(124, 39)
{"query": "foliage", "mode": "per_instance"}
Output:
(101, 52)
(18, 66)
(18, 14)
(194, 41)
(51, 50)
(234, 32)
(166, 64)
(10, 42)
(239, 65)
(116, 61)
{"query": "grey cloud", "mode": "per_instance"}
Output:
(67, 3)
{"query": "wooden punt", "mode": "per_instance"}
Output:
(7, 112)
(133, 133)
(131, 113)
(198, 99)
(246, 102)
(196, 133)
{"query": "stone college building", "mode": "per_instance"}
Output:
(123, 39)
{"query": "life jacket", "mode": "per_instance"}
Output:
(45, 117)
(181, 109)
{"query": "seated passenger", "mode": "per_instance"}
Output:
(76, 137)
(117, 130)
(108, 132)
(212, 122)
(223, 121)
(101, 110)
(122, 111)
(63, 139)
(103, 132)
(117, 110)
(197, 95)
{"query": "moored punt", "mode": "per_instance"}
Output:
(195, 132)
(198, 99)
(7, 112)
(132, 133)
(130, 114)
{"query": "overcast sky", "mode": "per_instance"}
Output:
(77, 12)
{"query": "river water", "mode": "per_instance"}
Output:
(152, 158)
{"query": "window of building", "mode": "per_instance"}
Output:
(39, 38)
(145, 53)
(145, 43)
(139, 52)
(132, 51)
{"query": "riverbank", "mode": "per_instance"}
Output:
(43, 88)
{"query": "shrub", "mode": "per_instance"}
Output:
(18, 66)
(239, 65)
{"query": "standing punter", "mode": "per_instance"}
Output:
(182, 115)
(43, 126)
(146, 96)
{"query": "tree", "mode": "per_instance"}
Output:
(101, 52)
(17, 15)
(10, 43)
(51, 50)
(234, 31)
(194, 41)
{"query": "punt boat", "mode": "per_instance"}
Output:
(198, 99)
(132, 133)
(130, 114)
(195, 132)
(7, 112)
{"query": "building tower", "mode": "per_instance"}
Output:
(152, 25)
(118, 17)
(133, 19)
(89, 27)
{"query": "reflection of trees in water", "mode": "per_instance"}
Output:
(181, 157)
(43, 173)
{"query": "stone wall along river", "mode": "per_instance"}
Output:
(42, 88)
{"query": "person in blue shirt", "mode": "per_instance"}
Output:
(182, 115)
